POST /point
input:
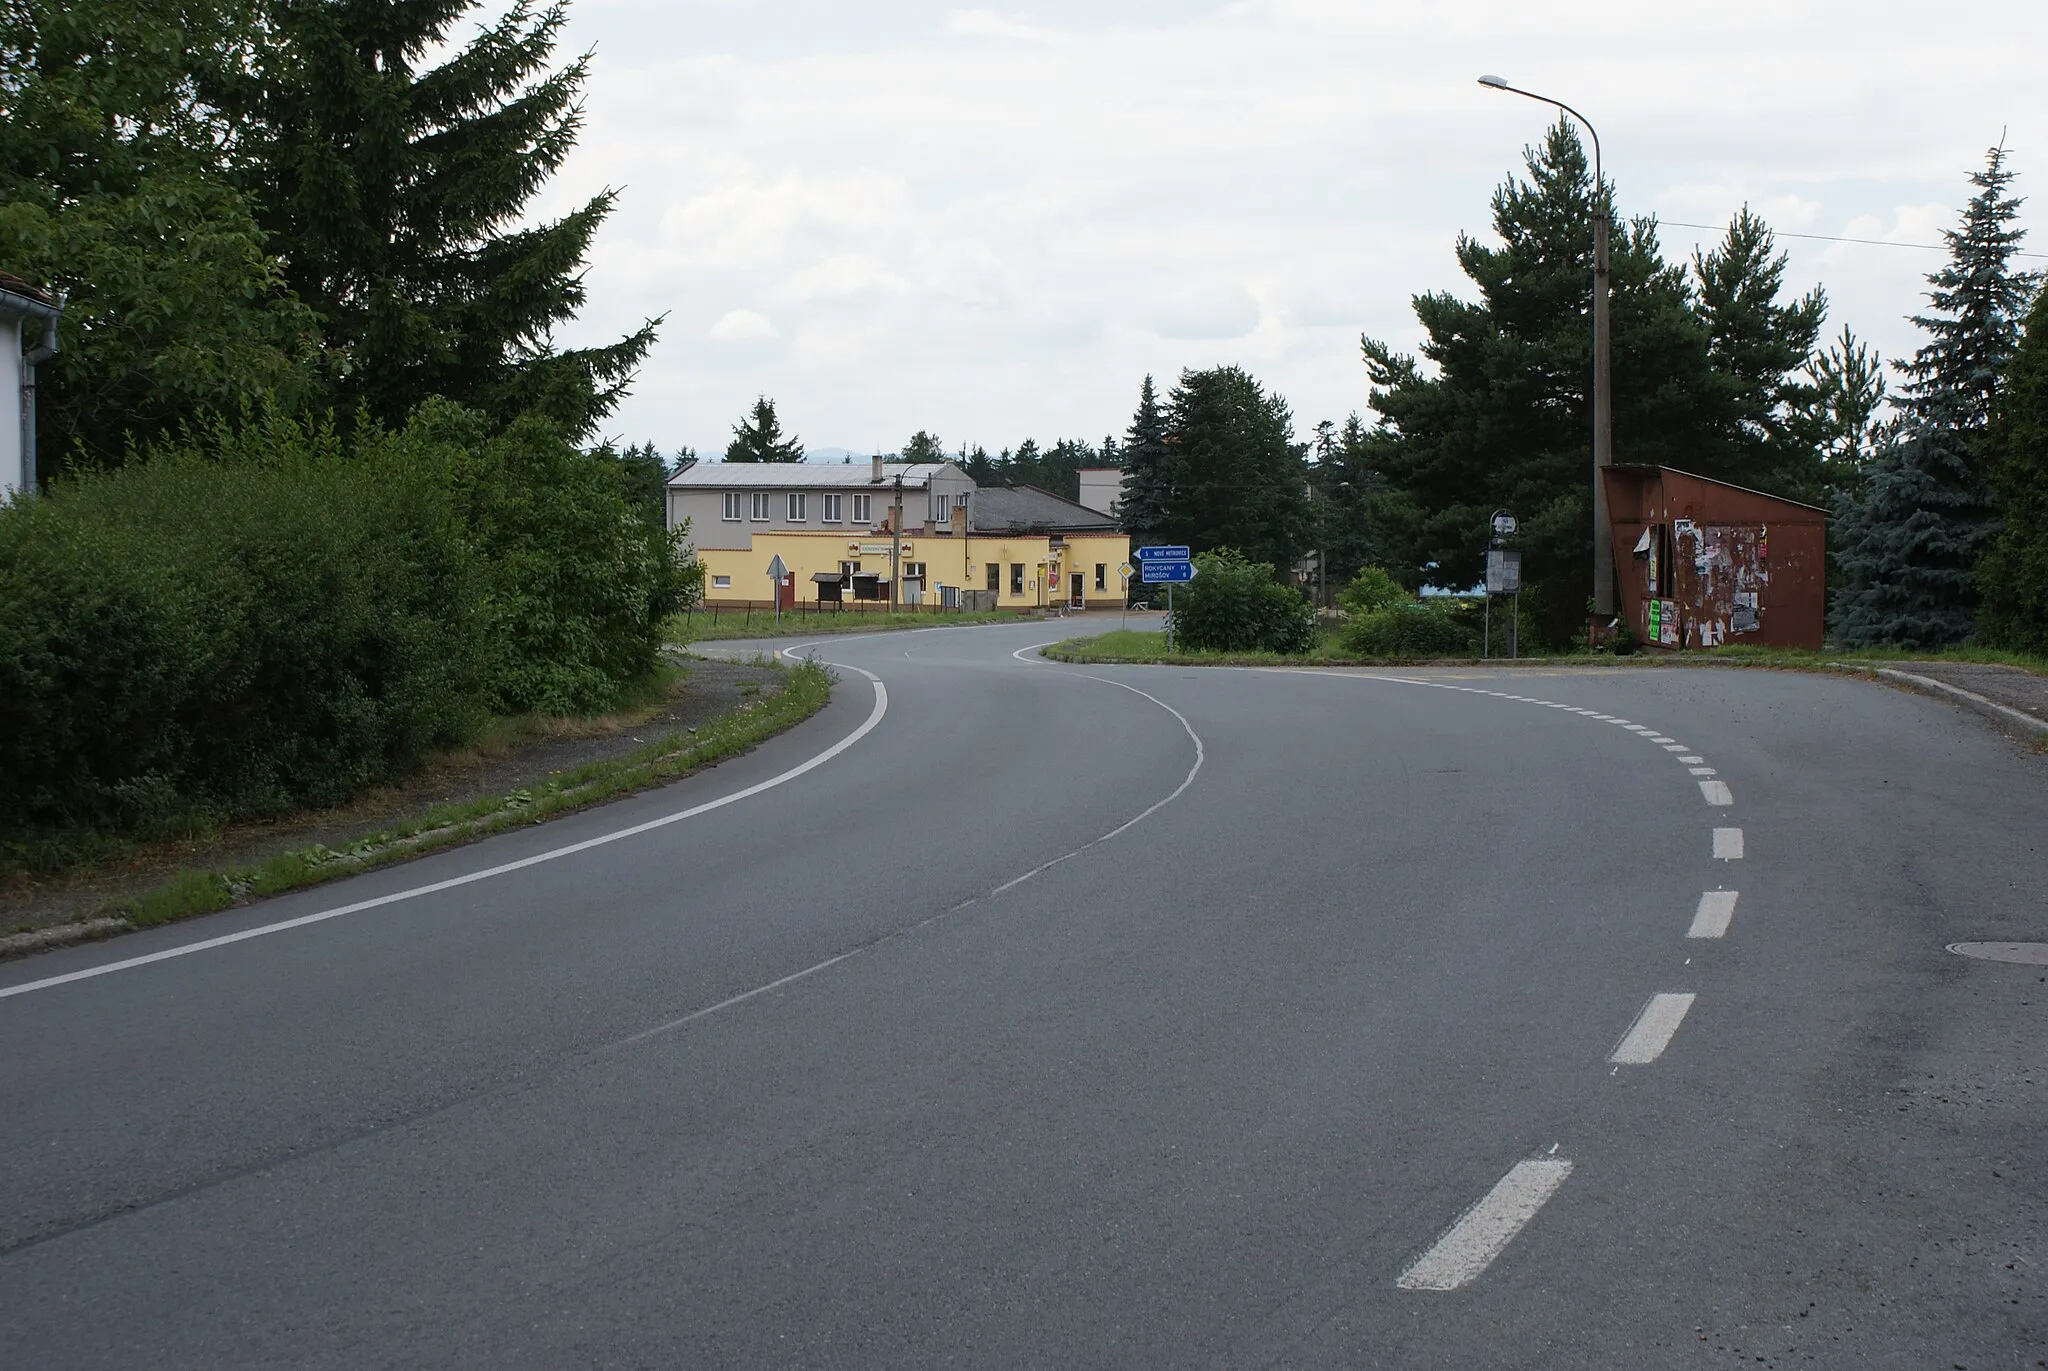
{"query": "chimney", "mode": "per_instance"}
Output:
(875, 471)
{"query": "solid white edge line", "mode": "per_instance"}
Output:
(874, 718)
(1716, 793)
(1717, 909)
(1483, 1232)
(1653, 1029)
(1728, 844)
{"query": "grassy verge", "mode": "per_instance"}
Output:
(1138, 648)
(204, 891)
(696, 626)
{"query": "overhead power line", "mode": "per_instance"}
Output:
(1831, 238)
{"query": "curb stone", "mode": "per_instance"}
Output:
(60, 935)
(1969, 699)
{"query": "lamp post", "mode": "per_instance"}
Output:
(1603, 379)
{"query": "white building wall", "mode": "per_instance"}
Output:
(1101, 488)
(11, 471)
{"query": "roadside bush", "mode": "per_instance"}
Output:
(247, 623)
(577, 583)
(1234, 605)
(1411, 628)
(1372, 590)
(259, 618)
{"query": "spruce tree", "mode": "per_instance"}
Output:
(1839, 414)
(1911, 534)
(1149, 486)
(2013, 576)
(758, 437)
(393, 190)
(1239, 478)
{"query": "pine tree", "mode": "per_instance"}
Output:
(392, 190)
(1910, 536)
(1503, 419)
(758, 437)
(1149, 485)
(1757, 350)
(1347, 495)
(2013, 576)
(1840, 410)
(924, 447)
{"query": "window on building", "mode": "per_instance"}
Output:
(834, 506)
(913, 571)
(959, 502)
(721, 583)
(732, 507)
(995, 578)
(1016, 578)
(760, 512)
(799, 506)
(863, 509)
(847, 571)
(1102, 576)
(940, 508)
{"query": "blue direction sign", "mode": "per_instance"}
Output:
(1172, 573)
(1160, 554)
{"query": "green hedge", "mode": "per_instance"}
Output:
(1235, 605)
(1411, 628)
(264, 617)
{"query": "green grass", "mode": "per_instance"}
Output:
(203, 891)
(702, 625)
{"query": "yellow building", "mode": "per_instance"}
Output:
(1014, 548)
(1021, 571)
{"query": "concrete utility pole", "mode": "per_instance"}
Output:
(896, 546)
(1603, 377)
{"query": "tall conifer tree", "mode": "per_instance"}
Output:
(1149, 485)
(1910, 536)
(758, 437)
(392, 190)
(2013, 577)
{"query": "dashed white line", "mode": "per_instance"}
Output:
(1483, 1232)
(1717, 907)
(1653, 1030)
(1717, 793)
(1702, 770)
(1657, 738)
(1675, 747)
(1728, 844)
(1692, 761)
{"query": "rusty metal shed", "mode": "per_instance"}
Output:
(1702, 563)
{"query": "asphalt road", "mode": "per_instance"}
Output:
(1378, 1039)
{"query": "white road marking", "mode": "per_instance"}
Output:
(1700, 770)
(1728, 844)
(1675, 747)
(1653, 1030)
(1692, 761)
(1717, 793)
(1717, 907)
(1660, 738)
(874, 718)
(1201, 755)
(1483, 1232)
(738, 999)
(1019, 653)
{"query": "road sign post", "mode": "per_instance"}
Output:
(776, 571)
(1125, 572)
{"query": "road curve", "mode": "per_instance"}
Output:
(1010, 1013)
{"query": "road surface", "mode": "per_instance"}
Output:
(1017, 1014)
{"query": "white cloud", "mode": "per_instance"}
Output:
(742, 326)
(958, 223)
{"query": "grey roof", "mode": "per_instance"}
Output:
(803, 475)
(1003, 509)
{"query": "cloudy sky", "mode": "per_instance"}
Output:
(992, 223)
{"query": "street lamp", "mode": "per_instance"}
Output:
(1603, 379)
